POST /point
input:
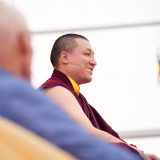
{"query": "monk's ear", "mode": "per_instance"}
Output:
(64, 57)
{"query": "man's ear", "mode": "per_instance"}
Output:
(25, 46)
(25, 51)
(64, 57)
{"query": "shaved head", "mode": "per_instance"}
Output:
(10, 19)
(15, 48)
(11, 23)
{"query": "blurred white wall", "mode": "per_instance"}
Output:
(125, 88)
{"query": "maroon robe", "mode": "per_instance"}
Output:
(60, 79)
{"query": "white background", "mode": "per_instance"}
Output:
(125, 87)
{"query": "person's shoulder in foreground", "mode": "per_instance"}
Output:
(33, 110)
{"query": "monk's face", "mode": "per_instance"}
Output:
(81, 62)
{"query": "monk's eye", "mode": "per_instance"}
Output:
(87, 54)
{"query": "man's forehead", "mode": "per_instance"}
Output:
(83, 42)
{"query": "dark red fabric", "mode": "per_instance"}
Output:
(60, 79)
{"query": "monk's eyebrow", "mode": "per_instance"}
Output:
(90, 50)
